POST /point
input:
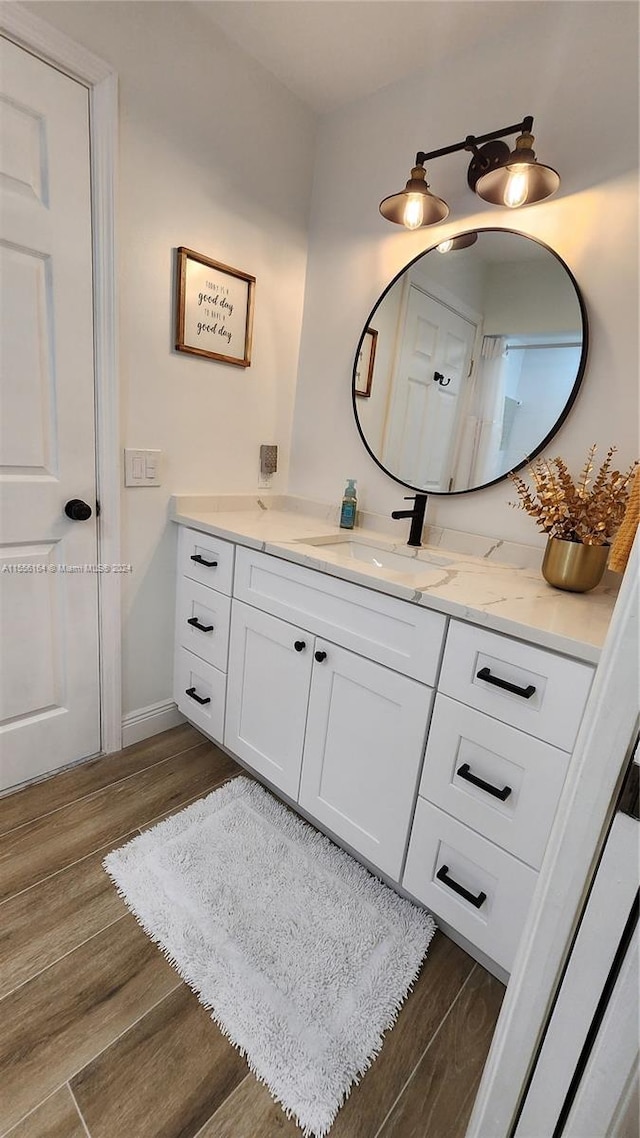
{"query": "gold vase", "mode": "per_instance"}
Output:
(572, 566)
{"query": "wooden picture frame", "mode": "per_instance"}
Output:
(214, 309)
(365, 362)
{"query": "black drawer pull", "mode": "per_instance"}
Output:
(485, 674)
(320, 656)
(299, 645)
(199, 559)
(465, 772)
(443, 876)
(195, 623)
(191, 692)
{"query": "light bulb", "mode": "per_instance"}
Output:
(445, 246)
(413, 211)
(517, 187)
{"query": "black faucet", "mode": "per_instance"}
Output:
(416, 515)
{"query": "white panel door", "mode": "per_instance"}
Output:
(267, 694)
(436, 342)
(366, 729)
(49, 682)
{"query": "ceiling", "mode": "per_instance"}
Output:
(330, 52)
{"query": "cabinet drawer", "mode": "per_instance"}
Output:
(550, 691)
(202, 622)
(206, 683)
(522, 778)
(501, 886)
(403, 636)
(214, 566)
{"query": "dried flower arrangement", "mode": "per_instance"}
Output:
(589, 511)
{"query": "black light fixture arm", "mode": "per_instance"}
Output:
(472, 141)
(501, 173)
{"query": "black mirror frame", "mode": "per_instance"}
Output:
(566, 409)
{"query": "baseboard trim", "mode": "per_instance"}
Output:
(147, 721)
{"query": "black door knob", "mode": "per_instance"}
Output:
(78, 510)
(320, 656)
(299, 645)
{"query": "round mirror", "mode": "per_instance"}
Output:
(469, 361)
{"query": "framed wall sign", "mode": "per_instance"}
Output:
(214, 310)
(365, 362)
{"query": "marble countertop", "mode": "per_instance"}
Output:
(491, 583)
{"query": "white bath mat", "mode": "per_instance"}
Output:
(302, 956)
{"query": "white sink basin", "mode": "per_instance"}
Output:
(377, 555)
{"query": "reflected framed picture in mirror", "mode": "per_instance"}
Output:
(478, 357)
(365, 362)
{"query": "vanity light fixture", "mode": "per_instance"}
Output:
(497, 174)
(415, 206)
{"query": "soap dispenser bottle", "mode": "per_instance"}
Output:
(349, 505)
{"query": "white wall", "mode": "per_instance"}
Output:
(217, 156)
(530, 298)
(462, 291)
(574, 67)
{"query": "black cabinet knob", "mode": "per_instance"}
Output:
(320, 656)
(78, 510)
(299, 645)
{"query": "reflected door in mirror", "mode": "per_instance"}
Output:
(433, 362)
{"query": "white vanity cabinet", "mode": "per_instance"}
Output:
(342, 735)
(491, 780)
(434, 748)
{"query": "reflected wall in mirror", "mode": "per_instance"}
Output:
(479, 355)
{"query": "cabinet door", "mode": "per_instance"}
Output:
(366, 729)
(268, 691)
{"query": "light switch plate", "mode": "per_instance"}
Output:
(142, 467)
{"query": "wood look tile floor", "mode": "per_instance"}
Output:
(101, 1039)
